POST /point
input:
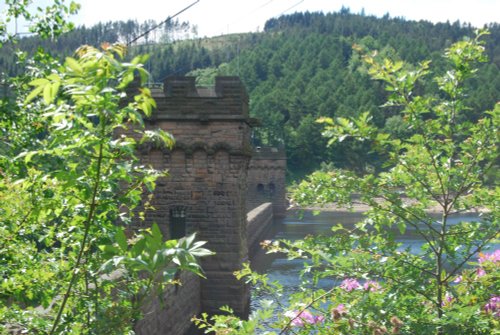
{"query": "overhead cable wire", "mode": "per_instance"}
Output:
(163, 22)
(246, 15)
(286, 10)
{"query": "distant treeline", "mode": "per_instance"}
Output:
(302, 66)
(110, 32)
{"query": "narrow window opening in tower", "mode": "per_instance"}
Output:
(177, 227)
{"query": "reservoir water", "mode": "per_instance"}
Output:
(277, 267)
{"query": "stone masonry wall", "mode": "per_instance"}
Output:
(171, 317)
(205, 191)
(266, 179)
(258, 221)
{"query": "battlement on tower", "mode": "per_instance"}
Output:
(180, 99)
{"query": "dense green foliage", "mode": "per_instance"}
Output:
(70, 186)
(300, 68)
(362, 279)
(305, 67)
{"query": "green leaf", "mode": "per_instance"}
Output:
(39, 82)
(401, 227)
(146, 108)
(127, 79)
(74, 65)
(54, 77)
(27, 156)
(201, 252)
(188, 240)
(171, 244)
(48, 97)
(156, 235)
(121, 240)
(109, 250)
(33, 94)
(337, 227)
(141, 59)
(138, 247)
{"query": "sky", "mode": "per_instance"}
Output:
(217, 17)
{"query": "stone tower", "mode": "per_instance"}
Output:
(206, 188)
(266, 179)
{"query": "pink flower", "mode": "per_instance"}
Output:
(448, 299)
(458, 279)
(350, 284)
(493, 306)
(319, 318)
(493, 257)
(300, 319)
(339, 311)
(480, 272)
(371, 286)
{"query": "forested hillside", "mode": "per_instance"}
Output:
(301, 67)
(305, 67)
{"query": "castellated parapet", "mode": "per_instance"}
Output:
(181, 99)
